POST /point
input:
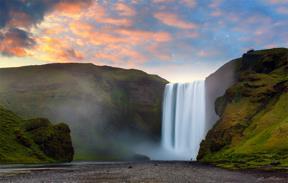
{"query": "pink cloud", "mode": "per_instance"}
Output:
(99, 14)
(174, 21)
(138, 36)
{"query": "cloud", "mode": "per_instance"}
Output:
(99, 14)
(120, 55)
(18, 16)
(56, 50)
(71, 54)
(71, 7)
(136, 36)
(14, 42)
(124, 9)
(174, 21)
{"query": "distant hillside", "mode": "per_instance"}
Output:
(253, 126)
(108, 109)
(33, 141)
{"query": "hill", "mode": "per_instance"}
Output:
(109, 110)
(253, 127)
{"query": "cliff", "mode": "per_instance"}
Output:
(108, 109)
(33, 141)
(253, 127)
(215, 86)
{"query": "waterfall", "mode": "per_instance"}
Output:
(183, 126)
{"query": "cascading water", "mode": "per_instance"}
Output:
(183, 126)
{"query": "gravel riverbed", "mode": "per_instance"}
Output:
(152, 171)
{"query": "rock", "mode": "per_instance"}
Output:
(33, 141)
(140, 157)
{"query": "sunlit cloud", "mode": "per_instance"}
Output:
(14, 42)
(140, 34)
(174, 20)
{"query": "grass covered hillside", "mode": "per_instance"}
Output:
(108, 109)
(33, 141)
(253, 126)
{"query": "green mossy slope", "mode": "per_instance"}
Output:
(253, 128)
(33, 141)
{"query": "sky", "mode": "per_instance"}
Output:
(180, 40)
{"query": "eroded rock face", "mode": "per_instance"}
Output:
(105, 107)
(252, 129)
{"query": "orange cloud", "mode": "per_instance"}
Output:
(70, 54)
(159, 52)
(20, 19)
(119, 55)
(138, 36)
(174, 21)
(115, 35)
(15, 51)
(112, 39)
(98, 13)
(14, 42)
(69, 9)
(55, 49)
(81, 29)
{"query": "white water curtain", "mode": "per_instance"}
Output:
(183, 126)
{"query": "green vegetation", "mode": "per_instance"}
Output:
(253, 128)
(99, 103)
(33, 141)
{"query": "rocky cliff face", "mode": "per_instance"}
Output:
(33, 141)
(215, 86)
(107, 109)
(253, 127)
